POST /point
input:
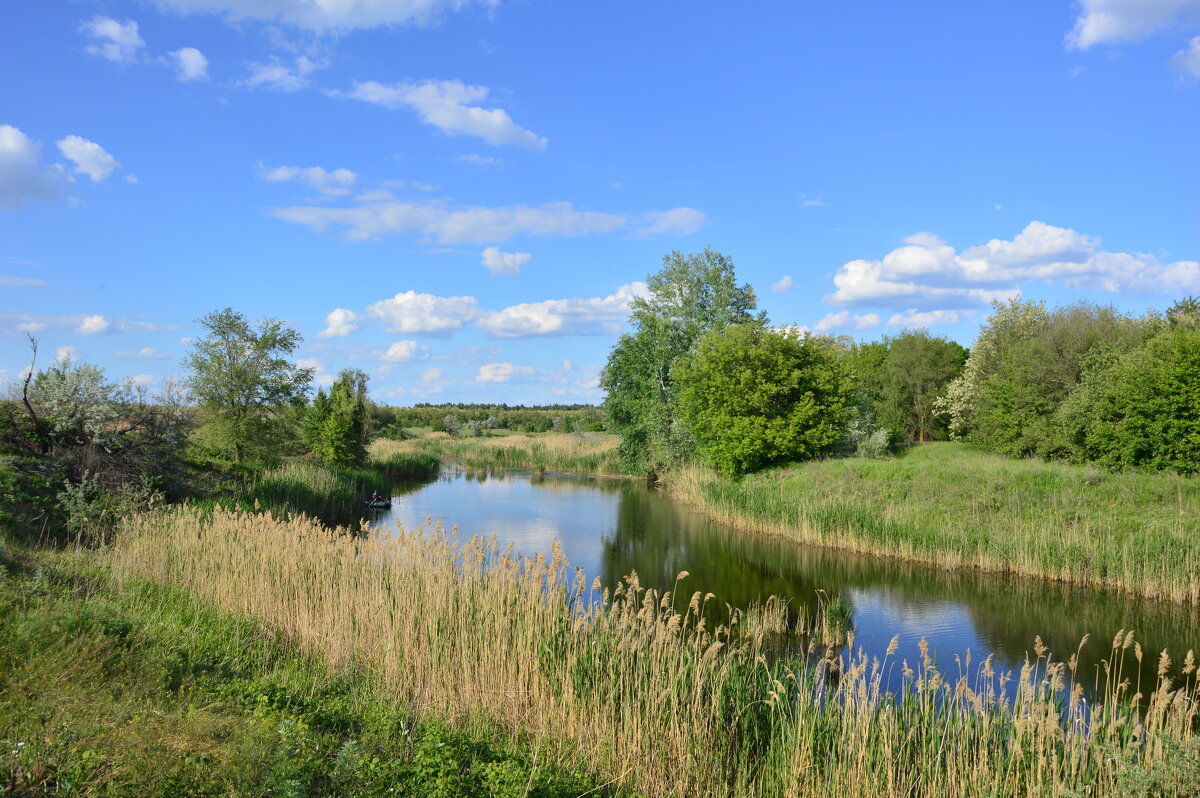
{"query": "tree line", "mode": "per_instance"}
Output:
(703, 375)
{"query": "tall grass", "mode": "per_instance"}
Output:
(592, 453)
(333, 494)
(660, 699)
(401, 461)
(957, 507)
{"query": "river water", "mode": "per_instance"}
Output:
(612, 527)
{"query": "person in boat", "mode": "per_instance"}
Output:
(374, 497)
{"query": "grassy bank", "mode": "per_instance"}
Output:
(403, 462)
(658, 700)
(592, 453)
(144, 690)
(957, 507)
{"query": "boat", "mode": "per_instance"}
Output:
(378, 504)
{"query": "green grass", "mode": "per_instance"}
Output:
(591, 453)
(333, 494)
(407, 463)
(956, 506)
(144, 691)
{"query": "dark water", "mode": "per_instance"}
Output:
(613, 527)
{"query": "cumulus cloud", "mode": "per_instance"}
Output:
(404, 351)
(498, 262)
(89, 157)
(929, 274)
(1115, 21)
(116, 41)
(21, 281)
(843, 320)
(501, 372)
(191, 63)
(554, 317)
(93, 325)
(339, 323)
(1187, 60)
(452, 107)
(784, 283)
(913, 319)
(677, 221)
(320, 15)
(425, 314)
(279, 75)
(450, 224)
(66, 353)
(145, 353)
(22, 177)
(335, 183)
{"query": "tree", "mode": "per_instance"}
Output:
(690, 296)
(336, 425)
(242, 377)
(915, 371)
(753, 396)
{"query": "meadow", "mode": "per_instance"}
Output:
(588, 452)
(665, 702)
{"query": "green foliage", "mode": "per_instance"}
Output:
(336, 424)
(690, 296)
(915, 372)
(242, 377)
(391, 421)
(752, 397)
(1140, 408)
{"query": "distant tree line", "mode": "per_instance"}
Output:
(454, 418)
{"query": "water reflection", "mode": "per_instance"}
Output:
(614, 527)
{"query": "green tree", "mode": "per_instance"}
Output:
(690, 296)
(914, 372)
(241, 377)
(753, 396)
(338, 422)
(1140, 408)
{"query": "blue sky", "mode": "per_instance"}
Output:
(461, 197)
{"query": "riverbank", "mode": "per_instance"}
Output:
(137, 688)
(464, 633)
(944, 504)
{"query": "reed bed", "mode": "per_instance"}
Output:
(330, 493)
(403, 462)
(592, 453)
(956, 507)
(664, 701)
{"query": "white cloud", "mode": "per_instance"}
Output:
(310, 363)
(143, 326)
(145, 353)
(928, 273)
(553, 317)
(116, 41)
(498, 262)
(784, 283)
(340, 323)
(22, 178)
(21, 281)
(413, 313)
(325, 380)
(500, 372)
(89, 157)
(93, 325)
(479, 160)
(844, 321)
(141, 379)
(404, 351)
(1187, 61)
(677, 221)
(278, 75)
(335, 183)
(321, 15)
(447, 224)
(431, 375)
(914, 319)
(191, 63)
(66, 353)
(1113, 21)
(451, 106)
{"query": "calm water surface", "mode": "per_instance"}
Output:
(613, 527)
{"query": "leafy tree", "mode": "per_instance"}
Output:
(337, 422)
(915, 371)
(690, 296)
(242, 377)
(753, 396)
(1140, 408)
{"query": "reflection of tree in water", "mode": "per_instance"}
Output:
(658, 539)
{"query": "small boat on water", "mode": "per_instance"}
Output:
(378, 504)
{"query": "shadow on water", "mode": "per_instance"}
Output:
(612, 528)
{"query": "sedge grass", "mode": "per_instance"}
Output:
(957, 507)
(657, 698)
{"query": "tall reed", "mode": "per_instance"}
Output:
(591, 453)
(662, 700)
